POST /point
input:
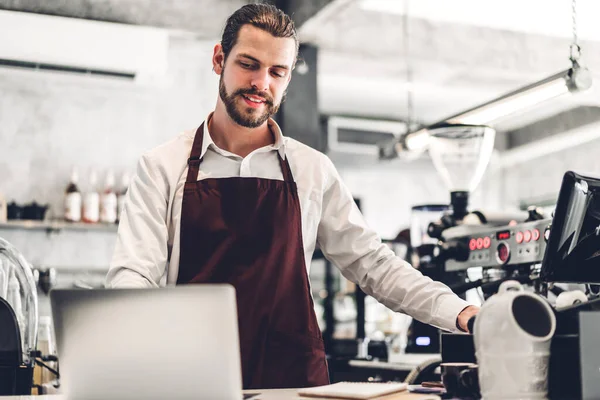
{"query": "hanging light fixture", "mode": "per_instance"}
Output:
(572, 80)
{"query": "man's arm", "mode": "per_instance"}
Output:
(358, 252)
(140, 255)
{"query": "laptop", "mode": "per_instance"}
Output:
(169, 343)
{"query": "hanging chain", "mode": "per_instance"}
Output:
(575, 49)
(409, 89)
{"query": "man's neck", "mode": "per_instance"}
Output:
(236, 139)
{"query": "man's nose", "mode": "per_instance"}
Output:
(260, 80)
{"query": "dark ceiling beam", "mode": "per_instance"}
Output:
(82, 9)
(554, 125)
(202, 17)
(301, 10)
(174, 14)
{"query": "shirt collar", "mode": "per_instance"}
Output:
(279, 144)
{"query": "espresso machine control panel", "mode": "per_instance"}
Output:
(470, 246)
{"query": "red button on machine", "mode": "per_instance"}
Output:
(535, 235)
(527, 236)
(479, 243)
(473, 244)
(487, 242)
(519, 237)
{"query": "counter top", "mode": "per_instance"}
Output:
(267, 394)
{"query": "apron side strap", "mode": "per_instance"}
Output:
(195, 159)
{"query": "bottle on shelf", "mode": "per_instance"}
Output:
(108, 200)
(91, 201)
(73, 199)
(121, 195)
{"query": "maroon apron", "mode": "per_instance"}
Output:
(248, 232)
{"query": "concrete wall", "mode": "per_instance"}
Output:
(52, 122)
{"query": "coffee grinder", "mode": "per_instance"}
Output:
(460, 153)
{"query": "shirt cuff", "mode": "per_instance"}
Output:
(457, 325)
(448, 313)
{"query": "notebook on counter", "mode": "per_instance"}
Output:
(354, 390)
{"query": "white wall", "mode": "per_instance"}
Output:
(534, 172)
(388, 190)
(51, 122)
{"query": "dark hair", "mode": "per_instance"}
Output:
(263, 16)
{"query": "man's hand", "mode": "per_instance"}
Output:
(464, 317)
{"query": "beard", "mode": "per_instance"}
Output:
(247, 117)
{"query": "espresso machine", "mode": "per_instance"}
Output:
(530, 248)
(460, 154)
(542, 253)
(18, 322)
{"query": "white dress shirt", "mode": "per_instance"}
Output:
(148, 245)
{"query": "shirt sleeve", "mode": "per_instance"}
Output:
(141, 251)
(358, 252)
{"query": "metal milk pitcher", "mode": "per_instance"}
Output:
(512, 334)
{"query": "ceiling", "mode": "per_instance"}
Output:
(206, 17)
(461, 53)
(511, 15)
(456, 62)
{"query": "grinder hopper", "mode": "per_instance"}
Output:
(461, 154)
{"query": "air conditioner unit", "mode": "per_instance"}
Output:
(43, 42)
(359, 135)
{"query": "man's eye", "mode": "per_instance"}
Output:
(245, 65)
(278, 74)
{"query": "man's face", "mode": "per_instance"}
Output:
(255, 76)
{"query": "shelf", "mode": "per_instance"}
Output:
(57, 225)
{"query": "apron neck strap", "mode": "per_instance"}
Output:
(285, 168)
(194, 160)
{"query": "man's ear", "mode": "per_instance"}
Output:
(218, 59)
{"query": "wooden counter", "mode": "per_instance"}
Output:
(270, 394)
